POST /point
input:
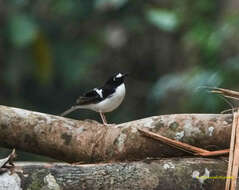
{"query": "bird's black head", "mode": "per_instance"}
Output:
(116, 79)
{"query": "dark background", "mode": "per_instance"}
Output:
(51, 51)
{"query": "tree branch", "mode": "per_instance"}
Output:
(84, 141)
(164, 174)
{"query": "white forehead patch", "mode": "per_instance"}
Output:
(99, 92)
(119, 75)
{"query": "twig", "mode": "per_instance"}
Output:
(225, 92)
(229, 110)
(7, 163)
(184, 146)
(231, 153)
(214, 153)
(235, 165)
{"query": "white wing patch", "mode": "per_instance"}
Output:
(99, 92)
(119, 75)
(110, 103)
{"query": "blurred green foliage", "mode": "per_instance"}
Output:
(163, 19)
(52, 51)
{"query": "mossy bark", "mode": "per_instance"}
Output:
(83, 141)
(165, 174)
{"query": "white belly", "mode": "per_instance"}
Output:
(110, 103)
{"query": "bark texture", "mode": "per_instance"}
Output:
(83, 141)
(165, 174)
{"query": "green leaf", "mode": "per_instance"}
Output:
(163, 19)
(22, 30)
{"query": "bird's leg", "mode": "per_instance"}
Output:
(103, 118)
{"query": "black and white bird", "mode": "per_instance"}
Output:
(104, 99)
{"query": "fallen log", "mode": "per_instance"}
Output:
(165, 174)
(88, 141)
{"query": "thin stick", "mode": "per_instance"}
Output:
(225, 92)
(230, 110)
(235, 165)
(231, 153)
(214, 153)
(179, 144)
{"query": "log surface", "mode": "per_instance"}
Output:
(83, 141)
(165, 174)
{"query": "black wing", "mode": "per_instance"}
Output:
(89, 98)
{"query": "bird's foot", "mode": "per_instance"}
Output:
(108, 124)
